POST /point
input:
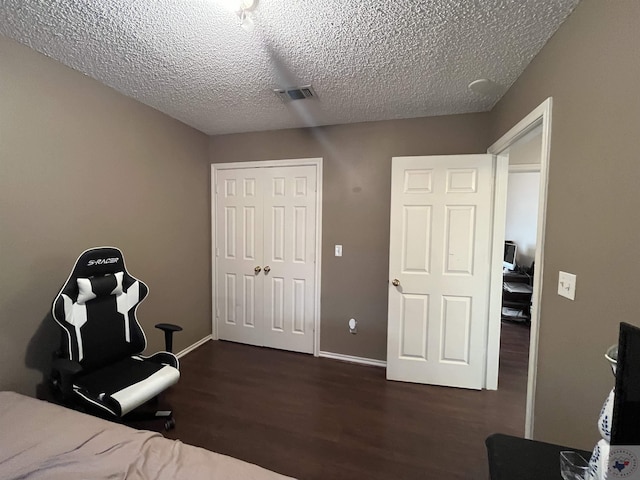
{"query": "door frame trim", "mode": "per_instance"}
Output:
(540, 116)
(293, 162)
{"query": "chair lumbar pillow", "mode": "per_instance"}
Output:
(99, 362)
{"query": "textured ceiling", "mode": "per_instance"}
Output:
(367, 59)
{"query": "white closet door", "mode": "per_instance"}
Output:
(289, 256)
(239, 252)
(265, 256)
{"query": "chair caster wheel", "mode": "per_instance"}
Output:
(169, 424)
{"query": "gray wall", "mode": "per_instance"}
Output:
(355, 209)
(522, 199)
(522, 214)
(591, 68)
(83, 166)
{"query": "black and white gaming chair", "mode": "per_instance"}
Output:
(99, 361)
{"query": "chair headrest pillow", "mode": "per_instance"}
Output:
(100, 286)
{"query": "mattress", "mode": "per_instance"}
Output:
(40, 440)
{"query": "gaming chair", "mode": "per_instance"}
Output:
(99, 365)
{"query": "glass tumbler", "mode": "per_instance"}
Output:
(573, 466)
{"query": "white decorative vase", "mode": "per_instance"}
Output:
(599, 462)
(606, 417)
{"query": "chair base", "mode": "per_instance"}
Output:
(144, 414)
(166, 416)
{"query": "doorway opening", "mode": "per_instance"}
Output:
(536, 124)
(523, 188)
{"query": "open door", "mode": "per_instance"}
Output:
(440, 269)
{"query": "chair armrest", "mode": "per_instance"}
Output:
(168, 329)
(66, 369)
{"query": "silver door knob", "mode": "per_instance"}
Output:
(267, 269)
(395, 282)
(257, 269)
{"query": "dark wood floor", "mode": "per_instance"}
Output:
(316, 418)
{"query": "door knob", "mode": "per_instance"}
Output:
(267, 269)
(257, 269)
(395, 282)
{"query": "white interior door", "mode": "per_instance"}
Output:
(239, 254)
(266, 256)
(289, 203)
(439, 264)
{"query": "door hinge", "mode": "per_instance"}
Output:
(217, 252)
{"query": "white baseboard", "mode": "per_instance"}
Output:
(353, 359)
(191, 348)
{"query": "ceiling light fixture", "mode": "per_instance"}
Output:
(243, 9)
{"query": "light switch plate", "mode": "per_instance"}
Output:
(567, 285)
(338, 250)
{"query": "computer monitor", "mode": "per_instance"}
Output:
(625, 428)
(509, 260)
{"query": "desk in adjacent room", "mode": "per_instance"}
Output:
(516, 296)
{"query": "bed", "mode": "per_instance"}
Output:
(40, 440)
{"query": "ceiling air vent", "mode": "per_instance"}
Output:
(295, 93)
